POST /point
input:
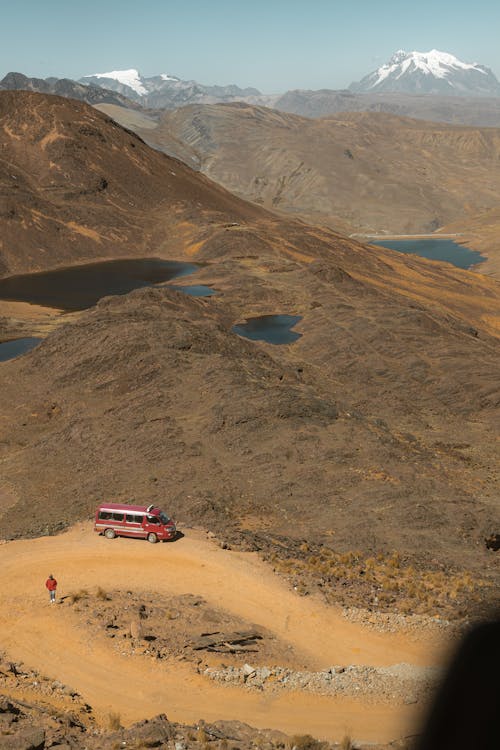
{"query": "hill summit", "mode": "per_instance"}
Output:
(431, 72)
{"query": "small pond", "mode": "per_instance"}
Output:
(273, 329)
(444, 250)
(195, 290)
(13, 349)
(79, 287)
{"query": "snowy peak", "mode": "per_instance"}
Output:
(433, 72)
(436, 63)
(129, 78)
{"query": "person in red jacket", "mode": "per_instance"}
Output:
(51, 584)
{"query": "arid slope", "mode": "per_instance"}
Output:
(75, 186)
(370, 172)
(376, 430)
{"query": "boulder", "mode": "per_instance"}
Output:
(493, 542)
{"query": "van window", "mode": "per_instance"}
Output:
(133, 519)
(105, 515)
(153, 519)
(117, 516)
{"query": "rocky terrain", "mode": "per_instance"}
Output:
(28, 726)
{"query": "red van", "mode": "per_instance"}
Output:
(151, 523)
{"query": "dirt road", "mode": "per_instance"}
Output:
(56, 641)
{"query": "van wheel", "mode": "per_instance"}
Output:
(152, 538)
(109, 534)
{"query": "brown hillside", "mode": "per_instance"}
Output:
(370, 172)
(75, 186)
(376, 430)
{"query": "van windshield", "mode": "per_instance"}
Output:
(164, 518)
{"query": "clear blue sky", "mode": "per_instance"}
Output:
(273, 45)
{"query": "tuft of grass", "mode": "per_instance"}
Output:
(201, 735)
(114, 721)
(102, 595)
(76, 596)
(346, 743)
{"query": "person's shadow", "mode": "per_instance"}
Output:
(465, 714)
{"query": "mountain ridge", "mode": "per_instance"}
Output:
(64, 87)
(165, 91)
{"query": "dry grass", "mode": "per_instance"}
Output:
(346, 743)
(201, 735)
(388, 582)
(76, 596)
(114, 721)
(102, 595)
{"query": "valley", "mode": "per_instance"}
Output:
(358, 173)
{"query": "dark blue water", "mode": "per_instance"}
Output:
(196, 290)
(274, 329)
(446, 250)
(79, 287)
(12, 349)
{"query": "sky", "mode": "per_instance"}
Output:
(272, 45)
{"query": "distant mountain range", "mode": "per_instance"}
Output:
(431, 72)
(168, 92)
(431, 85)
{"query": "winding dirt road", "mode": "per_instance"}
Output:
(56, 642)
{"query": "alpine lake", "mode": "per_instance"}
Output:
(80, 287)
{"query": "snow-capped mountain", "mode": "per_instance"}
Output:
(431, 72)
(165, 90)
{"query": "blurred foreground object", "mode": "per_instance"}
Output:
(466, 711)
